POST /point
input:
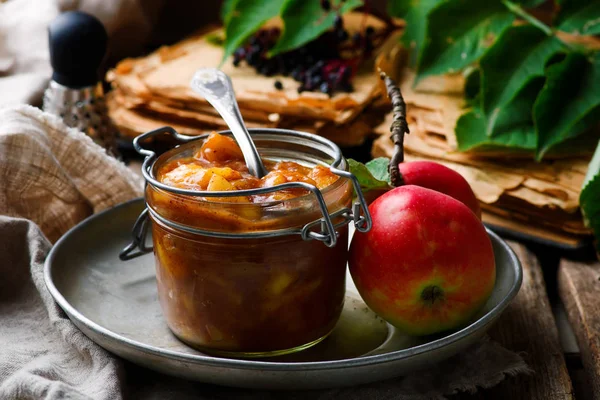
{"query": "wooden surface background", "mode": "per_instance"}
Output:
(528, 327)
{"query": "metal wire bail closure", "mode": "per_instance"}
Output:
(326, 232)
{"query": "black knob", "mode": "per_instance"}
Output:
(77, 47)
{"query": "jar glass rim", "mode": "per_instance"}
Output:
(327, 148)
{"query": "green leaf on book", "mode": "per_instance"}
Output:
(457, 37)
(581, 17)
(415, 13)
(305, 20)
(531, 3)
(226, 9)
(523, 52)
(472, 85)
(516, 116)
(569, 103)
(470, 135)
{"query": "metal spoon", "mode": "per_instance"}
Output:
(215, 86)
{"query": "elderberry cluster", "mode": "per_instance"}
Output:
(325, 64)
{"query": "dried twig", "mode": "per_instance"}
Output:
(398, 129)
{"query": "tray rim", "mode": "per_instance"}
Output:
(208, 360)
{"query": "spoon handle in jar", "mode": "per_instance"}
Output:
(215, 86)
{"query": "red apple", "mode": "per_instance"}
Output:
(431, 175)
(427, 265)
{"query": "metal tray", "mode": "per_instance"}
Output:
(115, 304)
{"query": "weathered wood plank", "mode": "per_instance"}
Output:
(579, 290)
(527, 326)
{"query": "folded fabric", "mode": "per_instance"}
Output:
(54, 175)
(42, 354)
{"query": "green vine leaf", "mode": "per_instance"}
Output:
(245, 18)
(581, 17)
(226, 9)
(459, 32)
(379, 168)
(531, 3)
(305, 20)
(368, 178)
(472, 85)
(470, 135)
(520, 12)
(415, 14)
(589, 199)
(516, 116)
(523, 52)
(569, 103)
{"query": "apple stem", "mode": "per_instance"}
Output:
(398, 129)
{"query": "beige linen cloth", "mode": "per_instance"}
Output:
(52, 177)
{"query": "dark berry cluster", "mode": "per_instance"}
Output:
(325, 64)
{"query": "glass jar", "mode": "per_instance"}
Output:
(252, 279)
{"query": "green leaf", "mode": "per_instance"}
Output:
(473, 85)
(593, 169)
(579, 16)
(470, 134)
(569, 103)
(365, 177)
(589, 199)
(246, 19)
(379, 168)
(531, 3)
(519, 11)
(226, 9)
(518, 57)
(459, 32)
(513, 126)
(305, 20)
(216, 39)
(400, 8)
(579, 145)
(517, 116)
(415, 14)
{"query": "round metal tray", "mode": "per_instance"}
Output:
(115, 304)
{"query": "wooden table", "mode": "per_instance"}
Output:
(564, 353)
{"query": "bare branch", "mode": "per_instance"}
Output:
(398, 129)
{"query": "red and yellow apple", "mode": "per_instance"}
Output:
(435, 176)
(427, 265)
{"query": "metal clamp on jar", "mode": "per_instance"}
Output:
(318, 151)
